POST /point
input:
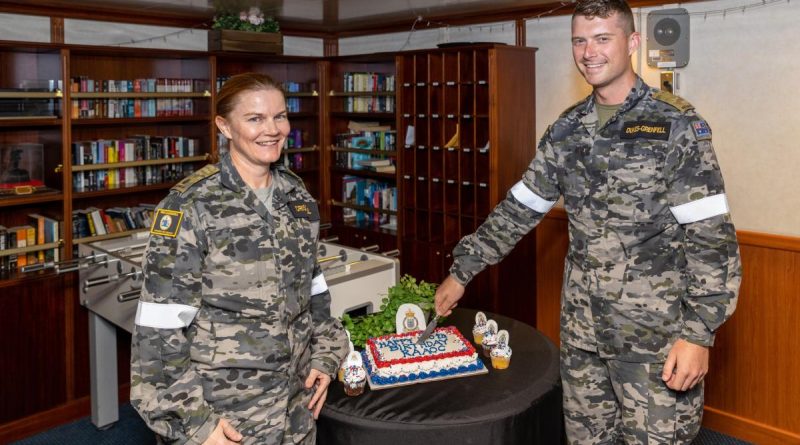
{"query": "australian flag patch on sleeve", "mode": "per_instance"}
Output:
(701, 130)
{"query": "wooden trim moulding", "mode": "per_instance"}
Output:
(746, 237)
(60, 415)
(747, 429)
(758, 239)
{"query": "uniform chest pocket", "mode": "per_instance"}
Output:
(635, 178)
(235, 258)
(636, 165)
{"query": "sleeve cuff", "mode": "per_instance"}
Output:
(327, 365)
(462, 277)
(205, 430)
(695, 331)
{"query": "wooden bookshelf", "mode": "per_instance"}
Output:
(361, 89)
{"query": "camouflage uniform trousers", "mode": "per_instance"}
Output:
(615, 402)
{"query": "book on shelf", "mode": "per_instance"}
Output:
(377, 165)
(134, 107)
(367, 193)
(18, 237)
(42, 230)
(94, 222)
(47, 231)
(368, 82)
(375, 162)
(135, 148)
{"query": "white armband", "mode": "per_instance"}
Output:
(318, 285)
(700, 209)
(531, 200)
(164, 315)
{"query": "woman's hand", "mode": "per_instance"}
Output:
(223, 434)
(321, 381)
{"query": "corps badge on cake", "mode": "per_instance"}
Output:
(397, 359)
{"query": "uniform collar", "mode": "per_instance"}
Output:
(639, 90)
(284, 191)
(232, 180)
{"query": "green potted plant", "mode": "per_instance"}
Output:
(248, 30)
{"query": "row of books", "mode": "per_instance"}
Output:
(293, 103)
(369, 193)
(108, 179)
(361, 81)
(85, 84)
(374, 104)
(364, 161)
(295, 138)
(134, 148)
(294, 161)
(94, 222)
(368, 140)
(41, 230)
(131, 108)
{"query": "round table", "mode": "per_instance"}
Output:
(518, 405)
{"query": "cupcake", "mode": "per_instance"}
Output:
(480, 328)
(489, 340)
(355, 376)
(501, 353)
(501, 357)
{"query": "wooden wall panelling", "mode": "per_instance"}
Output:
(32, 334)
(752, 389)
(753, 384)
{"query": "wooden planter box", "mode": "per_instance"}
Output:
(257, 42)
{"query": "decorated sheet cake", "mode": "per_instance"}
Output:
(393, 360)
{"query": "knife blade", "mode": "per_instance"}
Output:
(429, 329)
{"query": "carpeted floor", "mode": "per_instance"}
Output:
(130, 430)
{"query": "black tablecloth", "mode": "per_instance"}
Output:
(518, 405)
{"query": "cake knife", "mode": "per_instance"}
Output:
(429, 329)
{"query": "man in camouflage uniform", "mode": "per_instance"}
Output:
(653, 265)
(234, 313)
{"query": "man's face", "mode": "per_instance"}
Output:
(602, 51)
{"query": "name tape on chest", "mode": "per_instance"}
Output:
(304, 209)
(166, 222)
(646, 130)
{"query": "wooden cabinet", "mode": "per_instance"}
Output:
(470, 112)
(361, 150)
(31, 154)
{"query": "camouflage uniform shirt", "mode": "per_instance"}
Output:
(653, 255)
(234, 312)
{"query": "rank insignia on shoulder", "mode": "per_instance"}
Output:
(166, 222)
(647, 130)
(701, 130)
(304, 209)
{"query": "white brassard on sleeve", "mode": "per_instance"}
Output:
(531, 200)
(164, 315)
(700, 209)
(318, 285)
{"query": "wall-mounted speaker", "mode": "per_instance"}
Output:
(668, 38)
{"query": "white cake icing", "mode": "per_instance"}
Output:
(399, 356)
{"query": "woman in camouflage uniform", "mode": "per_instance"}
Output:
(233, 340)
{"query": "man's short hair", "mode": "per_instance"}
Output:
(605, 9)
